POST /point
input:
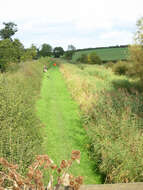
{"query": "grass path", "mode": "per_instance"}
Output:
(63, 128)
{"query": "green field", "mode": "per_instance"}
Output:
(106, 54)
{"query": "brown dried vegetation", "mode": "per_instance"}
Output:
(34, 178)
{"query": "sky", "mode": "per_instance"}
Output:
(82, 23)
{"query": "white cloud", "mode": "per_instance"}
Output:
(82, 22)
(118, 37)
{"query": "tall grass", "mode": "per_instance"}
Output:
(20, 135)
(112, 113)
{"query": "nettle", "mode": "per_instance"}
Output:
(34, 180)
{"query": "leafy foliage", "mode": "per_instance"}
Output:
(71, 48)
(58, 51)
(46, 50)
(139, 32)
(9, 30)
(93, 58)
(68, 55)
(136, 52)
(29, 53)
(8, 53)
(121, 68)
(83, 58)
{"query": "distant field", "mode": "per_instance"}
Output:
(106, 54)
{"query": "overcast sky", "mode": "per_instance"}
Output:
(83, 23)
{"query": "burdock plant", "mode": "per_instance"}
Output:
(34, 177)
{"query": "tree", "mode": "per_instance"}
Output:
(136, 52)
(9, 30)
(46, 50)
(71, 48)
(7, 54)
(139, 33)
(19, 49)
(69, 53)
(58, 51)
(30, 53)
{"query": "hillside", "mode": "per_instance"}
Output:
(106, 53)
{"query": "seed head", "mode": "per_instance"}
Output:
(59, 170)
(63, 164)
(79, 180)
(75, 155)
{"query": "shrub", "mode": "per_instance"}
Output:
(83, 58)
(109, 64)
(68, 55)
(93, 58)
(120, 68)
(10, 52)
(136, 57)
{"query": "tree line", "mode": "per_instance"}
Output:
(13, 51)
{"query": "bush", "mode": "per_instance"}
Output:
(136, 57)
(83, 58)
(10, 52)
(93, 58)
(109, 64)
(121, 68)
(20, 136)
(68, 55)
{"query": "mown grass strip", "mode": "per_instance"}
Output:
(63, 129)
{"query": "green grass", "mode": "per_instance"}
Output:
(106, 54)
(63, 128)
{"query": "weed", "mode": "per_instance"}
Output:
(58, 175)
(113, 120)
